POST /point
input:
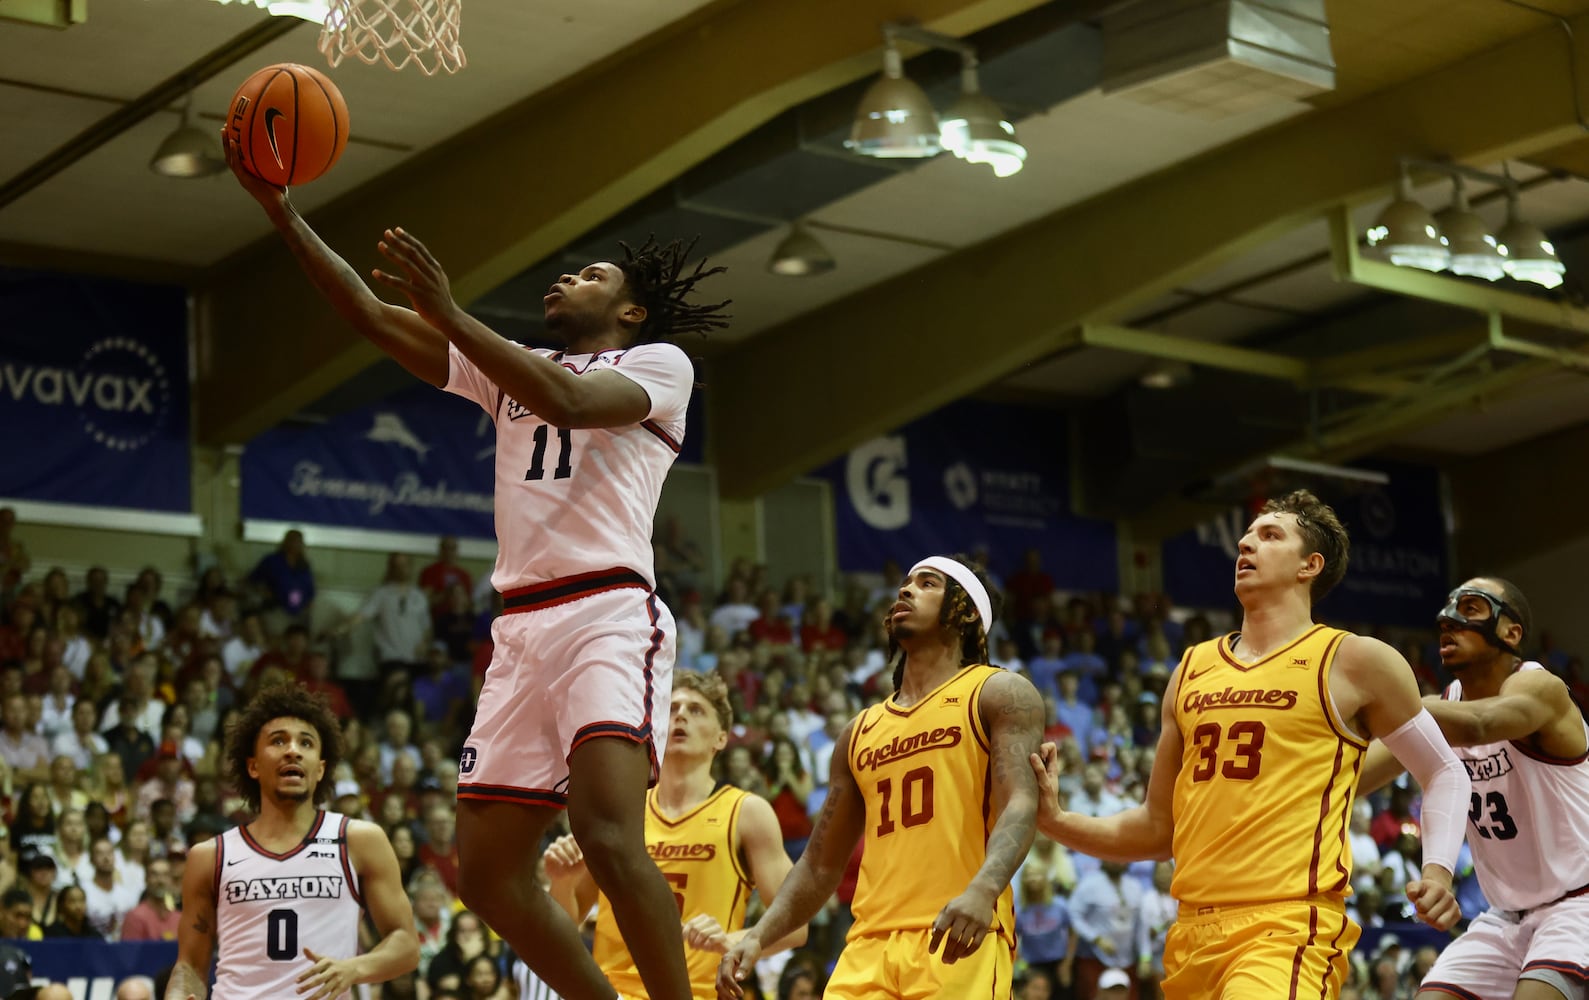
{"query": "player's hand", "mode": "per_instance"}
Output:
(703, 933)
(962, 924)
(736, 966)
(327, 978)
(423, 280)
(1066, 967)
(564, 859)
(1105, 945)
(267, 194)
(1431, 895)
(1046, 765)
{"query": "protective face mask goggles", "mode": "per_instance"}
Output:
(1485, 626)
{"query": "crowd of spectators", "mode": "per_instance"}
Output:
(114, 699)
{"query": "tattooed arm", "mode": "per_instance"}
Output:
(814, 876)
(196, 934)
(1012, 716)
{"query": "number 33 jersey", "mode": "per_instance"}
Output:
(925, 776)
(270, 907)
(581, 500)
(1528, 823)
(1268, 770)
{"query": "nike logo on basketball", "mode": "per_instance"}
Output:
(868, 727)
(234, 861)
(271, 114)
(1192, 677)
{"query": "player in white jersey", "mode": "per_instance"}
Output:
(1526, 749)
(584, 651)
(282, 894)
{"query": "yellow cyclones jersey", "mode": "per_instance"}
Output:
(924, 773)
(697, 857)
(1268, 771)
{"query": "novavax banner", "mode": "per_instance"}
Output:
(94, 391)
(420, 461)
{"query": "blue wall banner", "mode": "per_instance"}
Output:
(94, 391)
(419, 461)
(91, 969)
(971, 474)
(1397, 573)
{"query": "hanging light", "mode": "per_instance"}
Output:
(1526, 252)
(1408, 234)
(309, 10)
(188, 152)
(1473, 250)
(895, 119)
(975, 129)
(800, 255)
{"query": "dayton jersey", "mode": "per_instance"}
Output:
(924, 774)
(1268, 772)
(1528, 822)
(269, 907)
(572, 501)
(707, 875)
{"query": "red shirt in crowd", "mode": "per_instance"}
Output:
(437, 577)
(831, 637)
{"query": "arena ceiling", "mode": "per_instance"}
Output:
(1137, 236)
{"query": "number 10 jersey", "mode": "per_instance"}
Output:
(1268, 770)
(269, 907)
(925, 776)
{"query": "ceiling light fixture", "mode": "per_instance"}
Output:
(800, 255)
(1407, 232)
(976, 130)
(1527, 255)
(188, 152)
(895, 118)
(1473, 249)
(309, 10)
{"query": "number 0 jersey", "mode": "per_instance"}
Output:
(1268, 771)
(925, 775)
(269, 907)
(1528, 824)
(697, 855)
(573, 501)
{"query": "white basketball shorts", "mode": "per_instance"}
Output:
(1550, 943)
(576, 659)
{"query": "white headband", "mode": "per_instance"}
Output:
(960, 573)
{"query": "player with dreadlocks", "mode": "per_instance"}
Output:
(936, 782)
(573, 711)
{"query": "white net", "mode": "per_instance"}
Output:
(395, 32)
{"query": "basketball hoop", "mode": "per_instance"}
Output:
(396, 32)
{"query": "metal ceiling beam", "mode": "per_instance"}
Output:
(957, 324)
(517, 188)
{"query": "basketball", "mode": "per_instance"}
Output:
(289, 122)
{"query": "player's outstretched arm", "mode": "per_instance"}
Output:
(571, 886)
(387, 904)
(1372, 677)
(761, 843)
(555, 394)
(812, 879)
(1144, 832)
(399, 332)
(1528, 702)
(1012, 716)
(196, 933)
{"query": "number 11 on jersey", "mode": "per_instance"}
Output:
(537, 469)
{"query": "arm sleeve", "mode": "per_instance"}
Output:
(664, 371)
(1419, 746)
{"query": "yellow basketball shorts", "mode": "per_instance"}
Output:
(896, 965)
(1270, 951)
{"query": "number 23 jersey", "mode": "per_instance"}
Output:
(269, 907)
(580, 500)
(925, 776)
(1268, 771)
